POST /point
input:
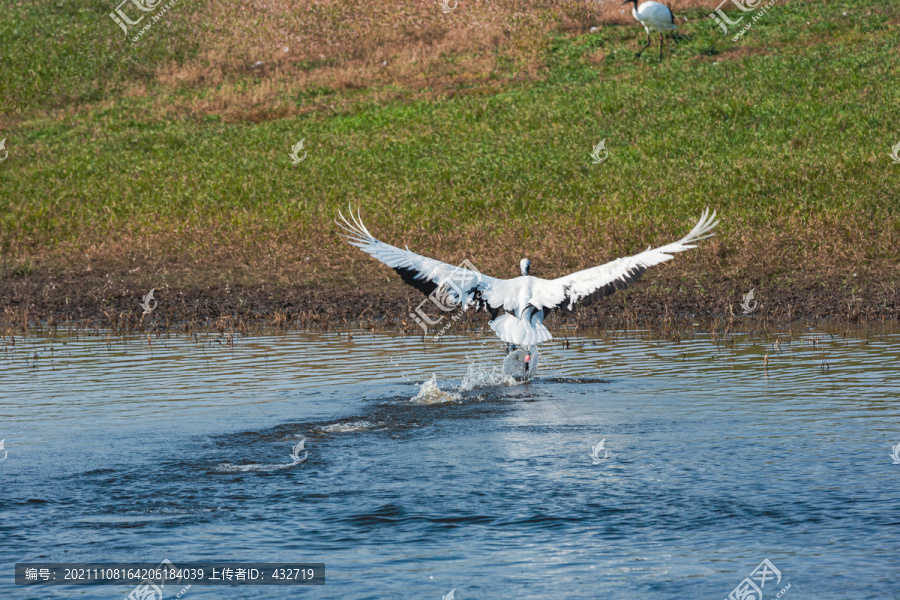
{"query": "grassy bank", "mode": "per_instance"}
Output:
(164, 163)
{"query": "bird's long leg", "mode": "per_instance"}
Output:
(660, 44)
(645, 45)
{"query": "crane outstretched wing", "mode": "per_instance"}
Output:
(616, 275)
(517, 295)
(425, 274)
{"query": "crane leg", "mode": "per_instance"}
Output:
(645, 46)
(660, 44)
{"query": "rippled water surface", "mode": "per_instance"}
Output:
(427, 472)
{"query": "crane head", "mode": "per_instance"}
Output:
(525, 266)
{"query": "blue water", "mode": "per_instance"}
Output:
(120, 450)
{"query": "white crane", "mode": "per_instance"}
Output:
(654, 17)
(525, 299)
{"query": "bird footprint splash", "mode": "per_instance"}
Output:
(480, 375)
(431, 393)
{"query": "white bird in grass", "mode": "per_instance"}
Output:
(526, 299)
(654, 17)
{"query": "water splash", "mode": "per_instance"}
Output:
(522, 363)
(431, 393)
(480, 375)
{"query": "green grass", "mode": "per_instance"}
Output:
(60, 53)
(789, 128)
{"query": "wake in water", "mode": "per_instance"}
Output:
(253, 467)
(348, 427)
(480, 374)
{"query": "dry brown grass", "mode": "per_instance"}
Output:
(389, 48)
